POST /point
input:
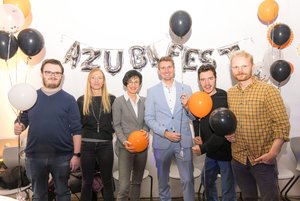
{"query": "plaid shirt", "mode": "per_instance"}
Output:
(261, 118)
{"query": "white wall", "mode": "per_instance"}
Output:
(122, 24)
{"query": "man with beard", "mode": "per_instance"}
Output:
(262, 128)
(54, 135)
(216, 147)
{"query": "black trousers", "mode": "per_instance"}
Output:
(97, 154)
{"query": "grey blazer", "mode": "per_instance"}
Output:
(125, 120)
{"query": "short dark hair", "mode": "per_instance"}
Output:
(52, 61)
(207, 67)
(129, 74)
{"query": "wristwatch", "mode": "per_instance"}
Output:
(77, 154)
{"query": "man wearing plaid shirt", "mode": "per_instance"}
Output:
(262, 128)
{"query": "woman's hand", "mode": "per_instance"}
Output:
(128, 146)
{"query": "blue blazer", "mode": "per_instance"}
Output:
(159, 118)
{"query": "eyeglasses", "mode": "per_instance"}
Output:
(50, 73)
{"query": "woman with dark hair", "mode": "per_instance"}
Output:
(128, 116)
(96, 147)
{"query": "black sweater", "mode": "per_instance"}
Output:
(89, 123)
(215, 146)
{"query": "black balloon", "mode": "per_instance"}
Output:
(31, 41)
(8, 45)
(280, 34)
(280, 70)
(180, 23)
(222, 121)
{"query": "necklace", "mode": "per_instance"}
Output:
(99, 115)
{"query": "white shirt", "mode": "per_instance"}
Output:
(134, 104)
(170, 94)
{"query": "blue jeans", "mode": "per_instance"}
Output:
(38, 170)
(209, 176)
(264, 176)
(101, 155)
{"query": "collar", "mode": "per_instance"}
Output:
(254, 81)
(172, 86)
(126, 96)
(50, 92)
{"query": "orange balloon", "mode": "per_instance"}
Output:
(138, 140)
(200, 104)
(268, 11)
(23, 5)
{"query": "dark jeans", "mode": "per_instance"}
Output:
(262, 175)
(209, 175)
(102, 154)
(38, 170)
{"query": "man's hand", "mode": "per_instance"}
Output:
(267, 158)
(18, 128)
(198, 140)
(196, 150)
(173, 136)
(184, 100)
(231, 137)
(74, 163)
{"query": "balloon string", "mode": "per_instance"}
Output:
(279, 52)
(8, 73)
(17, 68)
(16, 112)
(19, 154)
(63, 36)
(87, 45)
(181, 106)
(181, 114)
(8, 48)
(8, 55)
(28, 68)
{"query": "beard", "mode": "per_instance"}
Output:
(51, 85)
(242, 76)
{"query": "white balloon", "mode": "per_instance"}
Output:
(22, 96)
(11, 18)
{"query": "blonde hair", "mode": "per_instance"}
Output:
(166, 58)
(241, 53)
(87, 100)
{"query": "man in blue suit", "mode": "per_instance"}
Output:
(172, 136)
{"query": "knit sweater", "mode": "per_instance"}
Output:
(52, 121)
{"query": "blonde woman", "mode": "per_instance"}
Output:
(96, 148)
